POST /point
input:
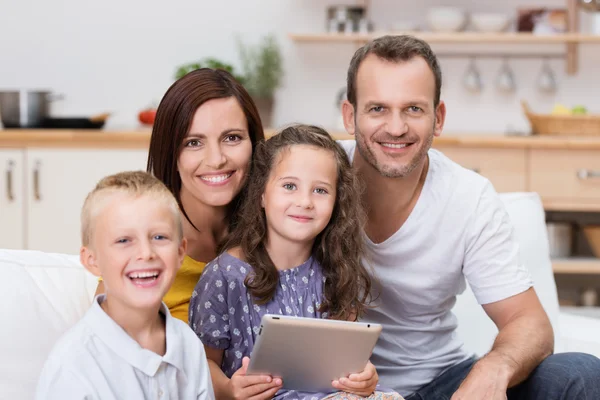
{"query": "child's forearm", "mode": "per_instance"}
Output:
(220, 382)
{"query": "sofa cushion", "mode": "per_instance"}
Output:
(43, 295)
(528, 217)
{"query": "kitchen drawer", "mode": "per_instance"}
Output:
(505, 168)
(566, 175)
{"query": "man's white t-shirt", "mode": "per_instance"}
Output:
(96, 359)
(458, 229)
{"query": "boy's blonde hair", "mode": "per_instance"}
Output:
(135, 183)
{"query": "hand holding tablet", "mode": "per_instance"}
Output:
(308, 353)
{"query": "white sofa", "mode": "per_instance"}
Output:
(43, 294)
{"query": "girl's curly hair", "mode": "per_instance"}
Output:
(338, 248)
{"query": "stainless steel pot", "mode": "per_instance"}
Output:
(25, 108)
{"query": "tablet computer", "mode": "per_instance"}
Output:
(309, 353)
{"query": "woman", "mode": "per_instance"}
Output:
(204, 134)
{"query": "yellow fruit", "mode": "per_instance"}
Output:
(560, 109)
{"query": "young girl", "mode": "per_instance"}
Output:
(296, 250)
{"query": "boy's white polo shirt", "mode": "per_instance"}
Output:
(97, 359)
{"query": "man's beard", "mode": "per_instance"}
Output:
(393, 172)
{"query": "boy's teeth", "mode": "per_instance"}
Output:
(215, 178)
(136, 275)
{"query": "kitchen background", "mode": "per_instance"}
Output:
(119, 57)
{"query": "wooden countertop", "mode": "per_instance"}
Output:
(131, 139)
(65, 138)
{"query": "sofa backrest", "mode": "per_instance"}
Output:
(41, 296)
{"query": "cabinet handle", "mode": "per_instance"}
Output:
(588, 174)
(36, 181)
(9, 181)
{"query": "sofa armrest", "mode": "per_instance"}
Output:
(579, 333)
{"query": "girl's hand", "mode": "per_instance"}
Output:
(254, 387)
(362, 384)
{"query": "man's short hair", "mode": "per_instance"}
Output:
(135, 183)
(395, 49)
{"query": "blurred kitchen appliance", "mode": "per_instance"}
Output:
(590, 5)
(25, 108)
(591, 17)
(560, 239)
(347, 19)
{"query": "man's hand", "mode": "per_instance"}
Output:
(488, 380)
(362, 384)
(254, 387)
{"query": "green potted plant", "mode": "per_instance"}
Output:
(263, 70)
(208, 62)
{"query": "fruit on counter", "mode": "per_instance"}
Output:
(560, 109)
(147, 116)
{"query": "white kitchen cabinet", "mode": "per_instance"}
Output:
(58, 181)
(12, 199)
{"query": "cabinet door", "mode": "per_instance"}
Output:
(505, 168)
(12, 200)
(566, 179)
(58, 180)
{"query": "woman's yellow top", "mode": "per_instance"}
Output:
(178, 297)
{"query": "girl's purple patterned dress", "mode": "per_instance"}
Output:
(224, 316)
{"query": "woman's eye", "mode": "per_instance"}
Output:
(233, 138)
(289, 186)
(192, 143)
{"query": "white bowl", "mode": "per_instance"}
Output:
(446, 19)
(490, 22)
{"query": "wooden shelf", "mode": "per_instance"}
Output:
(576, 266)
(458, 37)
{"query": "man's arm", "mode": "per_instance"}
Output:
(524, 339)
(525, 336)
(504, 287)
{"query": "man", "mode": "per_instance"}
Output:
(432, 225)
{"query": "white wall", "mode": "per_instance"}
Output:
(120, 56)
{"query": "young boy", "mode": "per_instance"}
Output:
(127, 345)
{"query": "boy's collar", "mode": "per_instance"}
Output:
(124, 346)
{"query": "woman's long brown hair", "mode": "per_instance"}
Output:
(338, 248)
(174, 118)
